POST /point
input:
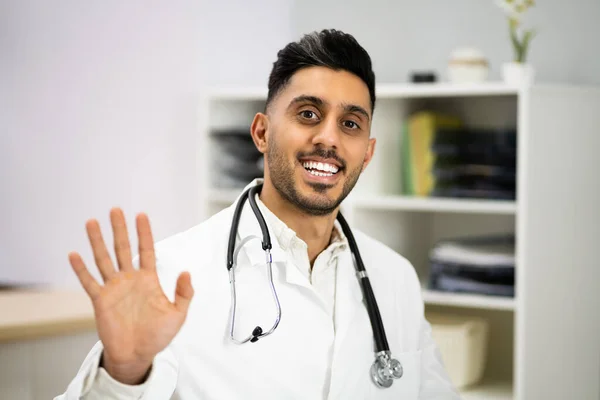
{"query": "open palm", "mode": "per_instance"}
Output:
(134, 318)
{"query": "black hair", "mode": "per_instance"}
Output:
(329, 48)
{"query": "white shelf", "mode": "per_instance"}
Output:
(444, 89)
(391, 202)
(489, 390)
(468, 300)
(402, 203)
(387, 91)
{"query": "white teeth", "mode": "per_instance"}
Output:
(329, 169)
(316, 173)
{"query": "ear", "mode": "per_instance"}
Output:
(369, 153)
(258, 130)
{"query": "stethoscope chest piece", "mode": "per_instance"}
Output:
(385, 369)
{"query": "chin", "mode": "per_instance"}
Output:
(319, 195)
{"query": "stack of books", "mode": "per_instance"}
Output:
(443, 158)
(479, 265)
(235, 160)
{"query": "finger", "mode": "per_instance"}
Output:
(184, 292)
(101, 256)
(121, 239)
(88, 282)
(145, 242)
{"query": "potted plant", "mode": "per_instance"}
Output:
(518, 71)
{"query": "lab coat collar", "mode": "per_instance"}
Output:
(282, 238)
(249, 227)
(278, 232)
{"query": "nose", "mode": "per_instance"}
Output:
(328, 134)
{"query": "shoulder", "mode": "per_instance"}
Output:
(194, 250)
(386, 263)
(194, 246)
(378, 250)
(197, 234)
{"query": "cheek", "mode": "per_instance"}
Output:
(357, 153)
(288, 143)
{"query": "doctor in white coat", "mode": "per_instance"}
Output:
(163, 319)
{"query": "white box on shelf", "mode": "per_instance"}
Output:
(463, 344)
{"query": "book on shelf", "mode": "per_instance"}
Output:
(443, 158)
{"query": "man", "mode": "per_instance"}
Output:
(315, 134)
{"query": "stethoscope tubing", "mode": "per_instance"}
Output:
(381, 343)
(385, 368)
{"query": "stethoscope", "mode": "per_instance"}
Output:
(385, 368)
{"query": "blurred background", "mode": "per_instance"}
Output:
(110, 103)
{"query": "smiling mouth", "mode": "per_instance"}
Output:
(320, 169)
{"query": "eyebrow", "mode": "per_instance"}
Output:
(307, 99)
(353, 108)
(349, 108)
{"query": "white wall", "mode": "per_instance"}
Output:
(402, 35)
(101, 113)
(100, 108)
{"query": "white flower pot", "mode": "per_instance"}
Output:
(519, 74)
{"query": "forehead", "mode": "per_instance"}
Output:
(334, 87)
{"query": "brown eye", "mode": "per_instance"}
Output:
(351, 124)
(308, 114)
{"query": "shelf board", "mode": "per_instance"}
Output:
(468, 300)
(444, 89)
(388, 90)
(408, 203)
(489, 390)
(404, 203)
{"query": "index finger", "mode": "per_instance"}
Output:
(145, 243)
(87, 280)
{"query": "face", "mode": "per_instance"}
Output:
(316, 138)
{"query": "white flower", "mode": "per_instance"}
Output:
(514, 9)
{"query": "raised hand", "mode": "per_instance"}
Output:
(134, 318)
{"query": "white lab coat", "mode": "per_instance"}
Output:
(310, 356)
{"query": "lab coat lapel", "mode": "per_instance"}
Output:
(348, 298)
(354, 347)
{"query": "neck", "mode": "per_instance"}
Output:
(315, 231)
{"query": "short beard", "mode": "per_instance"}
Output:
(282, 177)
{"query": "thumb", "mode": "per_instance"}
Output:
(184, 292)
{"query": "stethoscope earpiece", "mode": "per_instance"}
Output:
(256, 334)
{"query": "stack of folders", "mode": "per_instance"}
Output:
(445, 159)
(479, 265)
(235, 160)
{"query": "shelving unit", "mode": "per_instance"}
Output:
(533, 352)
